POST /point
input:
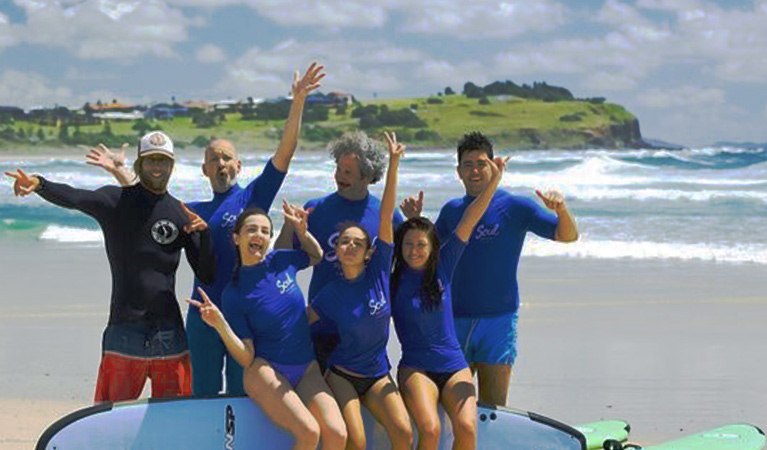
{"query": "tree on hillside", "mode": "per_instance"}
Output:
(449, 91)
(471, 90)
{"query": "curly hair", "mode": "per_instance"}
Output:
(369, 153)
(474, 141)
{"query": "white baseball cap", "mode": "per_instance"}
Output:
(155, 143)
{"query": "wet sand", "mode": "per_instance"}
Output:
(671, 347)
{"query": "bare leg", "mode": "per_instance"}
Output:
(385, 403)
(493, 381)
(460, 402)
(319, 399)
(351, 409)
(271, 391)
(421, 397)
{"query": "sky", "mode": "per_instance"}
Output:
(694, 72)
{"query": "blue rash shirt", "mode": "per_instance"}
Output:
(221, 213)
(360, 310)
(428, 337)
(330, 211)
(266, 305)
(485, 279)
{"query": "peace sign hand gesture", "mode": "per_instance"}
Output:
(309, 82)
(396, 149)
(208, 310)
(24, 184)
(195, 222)
(553, 199)
(296, 216)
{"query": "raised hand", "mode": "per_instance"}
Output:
(412, 206)
(23, 184)
(101, 156)
(396, 149)
(195, 222)
(498, 166)
(553, 199)
(208, 310)
(296, 216)
(309, 82)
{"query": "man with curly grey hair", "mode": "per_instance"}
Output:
(360, 162)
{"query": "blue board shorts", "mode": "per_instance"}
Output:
(490, 340)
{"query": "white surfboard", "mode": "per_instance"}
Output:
(236, 423)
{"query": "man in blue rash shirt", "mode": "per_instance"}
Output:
(360, 162)
(144, 229)
(485, 290)
(221, 167)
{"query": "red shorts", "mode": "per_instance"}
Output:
(122, 377)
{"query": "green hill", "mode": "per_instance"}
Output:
(434, 122)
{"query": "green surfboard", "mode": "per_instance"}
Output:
(729, 437)
(598, 432)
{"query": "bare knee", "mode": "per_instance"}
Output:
(307, 433)
(356, 441)
(401, 434)
(334, 436)
(465, 429)
(429, 431)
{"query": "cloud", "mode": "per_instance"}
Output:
(692, 97)
(210, 53)
(105, 29)
(25, 89)
(481, 19)
(609, 81)
(7, 35)
(362, 68)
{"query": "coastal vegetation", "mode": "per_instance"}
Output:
(518, 117)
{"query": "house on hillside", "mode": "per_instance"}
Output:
(164, 111)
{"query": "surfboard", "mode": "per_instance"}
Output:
(729, 437)
(236, 423)
(597, 433)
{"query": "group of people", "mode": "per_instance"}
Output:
(449, 286)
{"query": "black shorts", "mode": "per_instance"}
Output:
(360, 384)
(440, 378)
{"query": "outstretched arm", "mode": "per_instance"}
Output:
(388, 201)
(298, 219)
(300, 90)
(23, 184)
(114, 163)
(241, 350)
(566, 230)
(478, 206)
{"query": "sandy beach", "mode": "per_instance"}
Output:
(672, 348)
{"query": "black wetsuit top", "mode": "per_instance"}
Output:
(143, 233)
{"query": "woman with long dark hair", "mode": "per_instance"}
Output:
(433, 368)
(266, 330)
(357, 305)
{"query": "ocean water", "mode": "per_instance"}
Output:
(707, 204)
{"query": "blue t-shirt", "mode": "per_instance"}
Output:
(266, 305)
(428, 337)
(221, 213)
(328, 212)
(485, 279)
(359, 309)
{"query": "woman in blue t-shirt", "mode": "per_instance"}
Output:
(433, 368)
(264, 327)
(358, 306)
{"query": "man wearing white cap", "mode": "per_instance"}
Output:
(144, 229)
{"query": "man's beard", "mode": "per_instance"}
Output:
(157, 185)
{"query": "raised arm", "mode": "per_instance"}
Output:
(478, 206)
(241, 350)
(566, 230)
(388, 201)
(298, 221)
(90, 202)
(300, 90)
(114, 163)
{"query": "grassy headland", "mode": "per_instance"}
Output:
(437, 122)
